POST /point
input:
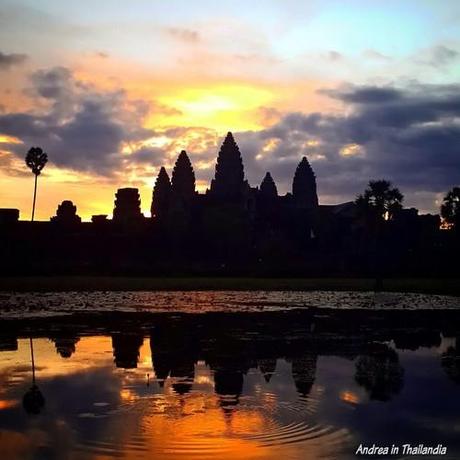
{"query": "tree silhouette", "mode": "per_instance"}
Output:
(450, 361)
(36, 160)
(380, 201)
(161, 195)
(379, 372)
(450, 208)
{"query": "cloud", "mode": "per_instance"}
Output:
(409, 136)
(363, 94)
(186, 35)
(9, 60)
(81, 128)
(439, 57)
(333, 56)
(442, 55)
(374, 54)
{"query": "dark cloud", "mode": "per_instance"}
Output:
(83, 128)
(407, 136)
(10, 60)
(364, 94)
(149, 156)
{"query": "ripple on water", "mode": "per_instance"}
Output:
(200, 425)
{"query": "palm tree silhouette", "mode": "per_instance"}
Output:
(450, 208)
(379, 203)
(36, 160)
(33, 400)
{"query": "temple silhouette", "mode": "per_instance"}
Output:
(231, 344)
(232, 228)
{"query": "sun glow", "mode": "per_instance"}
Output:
(351, 150)
(4, 139)
(220, 107)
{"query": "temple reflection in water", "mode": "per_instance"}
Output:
(228, 386)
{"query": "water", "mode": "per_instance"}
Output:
(289, 384)
(13, 304)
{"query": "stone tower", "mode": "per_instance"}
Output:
(161, 196)
(127, 205)
(304, 186)
(66, 213)
(183, 178)
(268, 187)
(228, 183)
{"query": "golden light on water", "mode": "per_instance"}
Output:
(349, 397)
(7, 403)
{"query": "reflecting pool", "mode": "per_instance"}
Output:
(270, 386)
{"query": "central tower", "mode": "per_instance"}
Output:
(228, 182)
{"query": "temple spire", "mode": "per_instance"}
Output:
(304, 185)
(161, 195)
(229, 180)
(268, 187)
(183, 178)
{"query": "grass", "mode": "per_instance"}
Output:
(122, 283)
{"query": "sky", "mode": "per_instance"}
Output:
(112, 90)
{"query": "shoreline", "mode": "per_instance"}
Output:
(450, 286)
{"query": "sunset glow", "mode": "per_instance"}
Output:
(130, 86)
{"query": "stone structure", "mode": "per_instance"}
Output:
(304, 186)
(8, 216)
(161, 195)
(66, 214)
(183, 179)
(229, 184)
(268, 187)
(127, 206)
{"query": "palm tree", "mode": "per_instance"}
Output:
(33, 400)
(450, 208)
(36, 160)
(379, 203)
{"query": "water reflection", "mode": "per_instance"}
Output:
(33, 400)
(451, 361)
(228, 386)
(379, 372)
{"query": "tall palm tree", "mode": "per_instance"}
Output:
(36, 160)
(33, 400)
